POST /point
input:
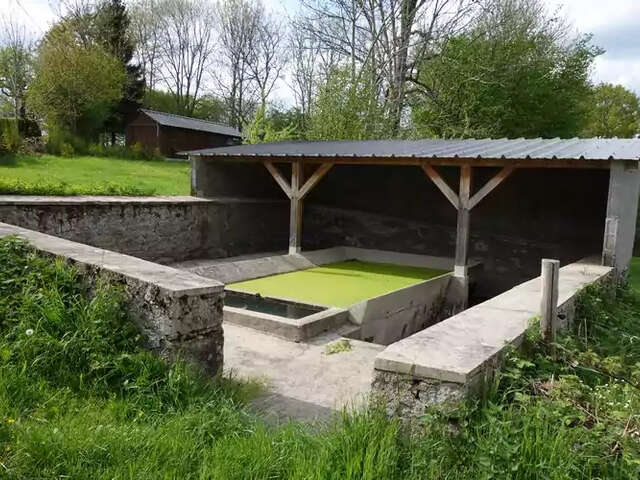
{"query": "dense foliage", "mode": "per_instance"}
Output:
(79, 397)
(613, 111)
(113, 31)
(347, 109)
(515, 74)
(75, 85)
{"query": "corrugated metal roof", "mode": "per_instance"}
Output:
(517, 149)
(178, 121)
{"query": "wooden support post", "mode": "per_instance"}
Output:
(295, 219)
(462, 231)
(549, 300)
(296, 191)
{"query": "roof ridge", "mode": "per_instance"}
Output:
(188, 118)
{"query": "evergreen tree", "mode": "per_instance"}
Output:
(112, 30)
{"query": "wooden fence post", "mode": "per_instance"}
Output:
(549, 302)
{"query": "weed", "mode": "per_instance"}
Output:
(339, 346)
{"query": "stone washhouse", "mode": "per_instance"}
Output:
(484, 212)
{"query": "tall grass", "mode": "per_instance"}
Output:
(80, 398)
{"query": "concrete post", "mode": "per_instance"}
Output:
(549, 300)
(622, 208)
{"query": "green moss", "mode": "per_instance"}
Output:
(338, 284)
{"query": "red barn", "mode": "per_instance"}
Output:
(171, 133)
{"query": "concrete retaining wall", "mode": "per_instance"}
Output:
(383, 319)
(159, 229)
(452, 359)
(177, 311)
(396, 315)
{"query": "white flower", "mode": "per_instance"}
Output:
(29, 332)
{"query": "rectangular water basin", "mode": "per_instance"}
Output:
(280, 317)
(281, 308)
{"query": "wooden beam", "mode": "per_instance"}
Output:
(433, 174)
(277, 176)
(417, 161)
(314, 179)
(462, 230)
(295, 218)
(490, 185)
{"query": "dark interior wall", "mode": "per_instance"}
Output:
(535, 213)
(236, 180)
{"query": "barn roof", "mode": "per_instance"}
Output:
(469, 149)
(178, 121)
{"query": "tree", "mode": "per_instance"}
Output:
(274, 126)
(514, 73)
(112, 31)
(75, 85)
(186, 46)
(266, 57)
(237, 23)
(209, 107)
(16, 65)
(145, 31)
(614, 111)
(385, 39)
(345, 110)
(305, 51)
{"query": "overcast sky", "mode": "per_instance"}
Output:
(614, 24)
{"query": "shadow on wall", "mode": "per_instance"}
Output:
(536, 213)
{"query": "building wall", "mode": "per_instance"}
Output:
(163, 230)
(143, 129)
(174, 140)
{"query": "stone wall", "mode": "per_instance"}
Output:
(159, 229)
(455, 358)
(178, 312)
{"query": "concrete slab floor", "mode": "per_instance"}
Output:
(301, 380)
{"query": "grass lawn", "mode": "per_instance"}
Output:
(338, 284)
(52, 175)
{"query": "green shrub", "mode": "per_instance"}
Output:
(66, 150)
(20, 187)
(64, 143)
(10, 139)
(97, 150)
(134, 152)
